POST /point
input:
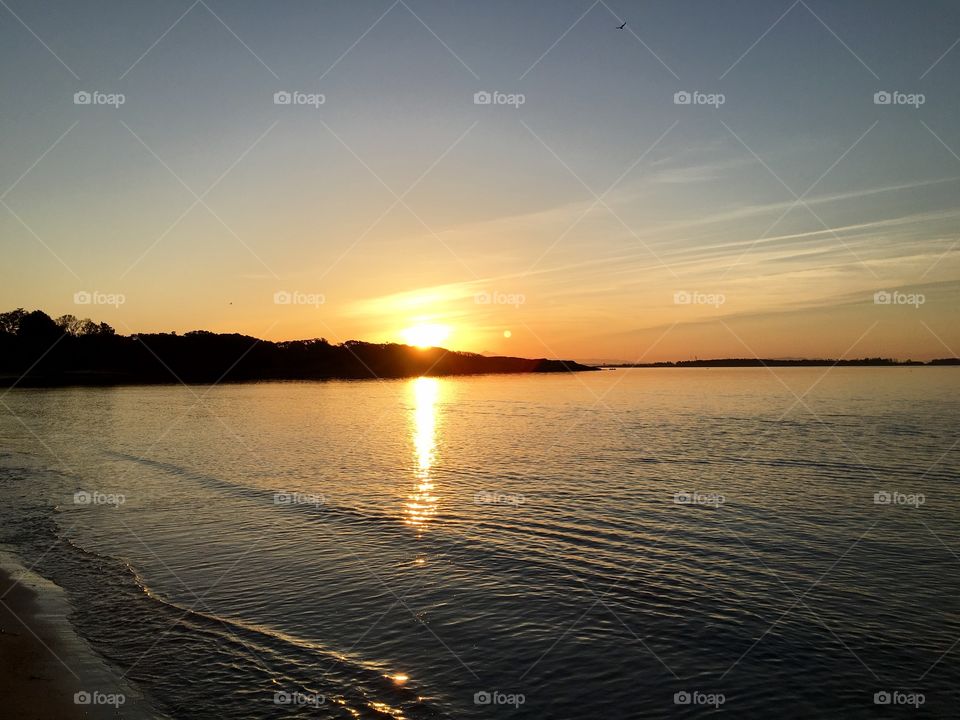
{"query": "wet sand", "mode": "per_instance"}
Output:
(33, 683)
(44, 664)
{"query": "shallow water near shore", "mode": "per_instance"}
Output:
(630, 543)
(49, 670)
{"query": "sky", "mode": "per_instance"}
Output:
(717, 179)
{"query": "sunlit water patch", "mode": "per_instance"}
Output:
(644, 543)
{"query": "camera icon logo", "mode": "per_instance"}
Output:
(682, 97)
(882, 498)
(682, 297)
(82, 497)
(82, 97)
(882, 97)
(82, 297)
(882, 297)
(82, 698)
(482, 98)
(482, 298)
(882, 698)
(682, 698)
(282, 97)
(282, 297)
(482, 698)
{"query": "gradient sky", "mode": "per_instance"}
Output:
(582, 213)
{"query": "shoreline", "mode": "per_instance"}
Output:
(110, 380)
(49, 670)
(100, 381)
(750, 364)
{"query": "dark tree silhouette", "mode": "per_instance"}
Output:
(36, 350)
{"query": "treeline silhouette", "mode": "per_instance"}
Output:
(37, 350)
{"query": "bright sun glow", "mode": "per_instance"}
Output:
(426, 335)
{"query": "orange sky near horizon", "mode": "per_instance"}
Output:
(594, 208)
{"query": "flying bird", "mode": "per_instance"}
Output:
(621, 27)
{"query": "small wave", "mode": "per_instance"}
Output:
(153, 639)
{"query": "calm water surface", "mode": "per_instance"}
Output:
(582, 546)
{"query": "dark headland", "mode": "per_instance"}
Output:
(38, 351)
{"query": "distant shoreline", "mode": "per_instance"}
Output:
(759, 362)
(106, 379)
(39, 351)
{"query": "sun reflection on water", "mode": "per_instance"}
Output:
(422, 503)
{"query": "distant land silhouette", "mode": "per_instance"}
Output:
(800, 362)
(36, 350)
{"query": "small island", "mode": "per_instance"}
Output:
(39, 351)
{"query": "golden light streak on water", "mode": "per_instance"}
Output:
(421, 504)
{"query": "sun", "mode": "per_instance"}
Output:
(426, 335)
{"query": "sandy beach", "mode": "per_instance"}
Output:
(48, 671)
(34, 683)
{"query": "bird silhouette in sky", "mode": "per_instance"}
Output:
(621, 27)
